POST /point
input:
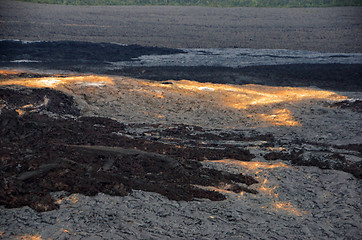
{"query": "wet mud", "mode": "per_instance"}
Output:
(292, 182)
(70, 51)
(329, 161)
(87, 57)
(338, 77)
(43, 151)
(47, 146)
(73, 56)
(355, 105)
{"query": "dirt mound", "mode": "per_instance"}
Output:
(354, 105)
(31, 99)
(41, 154)
(47, 145)
(327, 161)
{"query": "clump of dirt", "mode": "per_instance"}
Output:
(353, 147)
(354, 105)
(37, 99)
(42, 154)
(293, 155)
(330, 161)
(198, 133)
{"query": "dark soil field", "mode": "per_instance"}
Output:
(318, 29)
(87, 57)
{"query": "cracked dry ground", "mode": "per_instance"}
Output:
(47, 145)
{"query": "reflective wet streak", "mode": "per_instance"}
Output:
(240, 57)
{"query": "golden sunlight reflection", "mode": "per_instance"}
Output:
(255, 167)
(288, 207)
(152, 93)
(8, 72)
(244, 96)
(224, 105)
(53, 82)
(266, 188)
(29, 237)
(20, 112)
(221, 189)
(282, 117)
(74, 198)
(277, 149)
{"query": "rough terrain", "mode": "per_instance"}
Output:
(275, 161)
(102, 140)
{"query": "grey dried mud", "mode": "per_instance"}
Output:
(42, 154)
(50, 148)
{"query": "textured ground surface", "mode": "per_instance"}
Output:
(271, 67)
(276, 162)
(317, 29)
(116, 157)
